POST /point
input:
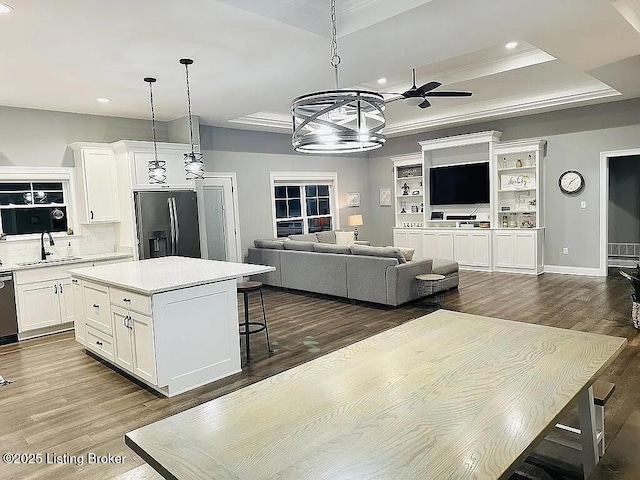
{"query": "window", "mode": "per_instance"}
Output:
(33, 207)
(303, 203)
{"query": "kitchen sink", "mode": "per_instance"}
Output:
(53, 261)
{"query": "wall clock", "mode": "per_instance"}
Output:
(571, 182)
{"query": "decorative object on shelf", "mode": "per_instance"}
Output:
(338, 121)
(353, 199)
(517, 182)
(513, 223)
(385, 197)
(193, 163)
(532, 162)
(634, 279)
(415, 192)
(422, 208)
(484, 224)
(505, 209)
(571, 182)
(527, 221)
(403, 207)
(504, 162)
(420, 183)
(157, 168)
(405, 189)
(355, 221)
(505, 221)
(519, 163)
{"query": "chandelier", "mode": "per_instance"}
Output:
(157, 168)
(193, 163)
(338, 121)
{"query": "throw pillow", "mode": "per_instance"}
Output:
(344, 238)
(407, 253)
(327, 237)
(307, 237)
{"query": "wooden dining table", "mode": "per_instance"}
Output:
(445, 396)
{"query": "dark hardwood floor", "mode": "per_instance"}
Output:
(64, 401)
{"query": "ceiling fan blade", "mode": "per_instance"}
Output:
(448, 94)
(427, 87)
(425, 104)
(395, 99)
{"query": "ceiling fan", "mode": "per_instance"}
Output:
(417, 96)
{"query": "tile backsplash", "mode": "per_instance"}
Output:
(93, 239)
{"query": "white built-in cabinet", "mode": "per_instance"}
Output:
(45, 297)
(96, 183)
(508, 233)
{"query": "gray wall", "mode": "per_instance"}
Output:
(40, 137)
(575, 139)
(624, 199)
(253, 155)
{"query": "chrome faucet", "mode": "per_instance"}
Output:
(43, 252)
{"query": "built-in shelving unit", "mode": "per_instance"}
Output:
(506, 234)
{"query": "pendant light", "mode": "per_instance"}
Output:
(157, 168)
(193, 164)
(338, 121)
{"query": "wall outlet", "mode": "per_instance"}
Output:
(565, 251)
(583, 205)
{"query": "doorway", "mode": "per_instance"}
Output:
(218, 211)
(619, 209)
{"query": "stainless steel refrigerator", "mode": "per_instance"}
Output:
(167, 224)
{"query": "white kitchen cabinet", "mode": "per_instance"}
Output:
(66, 298)
(96, 307)
(437, 244)
(97, 183)
(38, 305)
(409, 239)
(78, 303)
(518, 250)
(134, 343)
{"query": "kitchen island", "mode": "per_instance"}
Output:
(170, 322)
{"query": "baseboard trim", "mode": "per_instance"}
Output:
(566, 270)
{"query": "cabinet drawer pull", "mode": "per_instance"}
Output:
(60, 288)
(55, 289)
(74, 280)
(98, 343)
(126, 300)
(95, 305)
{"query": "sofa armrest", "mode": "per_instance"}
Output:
(362, 242)
(401, 280)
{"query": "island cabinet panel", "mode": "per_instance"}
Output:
(143, 346)
(130, 301)
(80, 326)
(100, 343)
(196, 332)
(122, 338)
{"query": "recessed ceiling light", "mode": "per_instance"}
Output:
(382, 81)
(511, 45)
(103, 100)
(4, 8)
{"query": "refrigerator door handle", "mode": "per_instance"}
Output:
(177, 224)
(172, 227)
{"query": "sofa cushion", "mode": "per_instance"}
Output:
(307, 237)
(330, 248)
(269, 243)
(344, 238)
(386, 252)
(445, 267)
(300, 246)
(326, 237)
(407, 253)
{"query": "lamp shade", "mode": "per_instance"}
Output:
(355, 220)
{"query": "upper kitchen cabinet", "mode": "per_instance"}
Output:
(139, 154)
(96, 182)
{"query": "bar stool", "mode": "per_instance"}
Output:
(245, 329)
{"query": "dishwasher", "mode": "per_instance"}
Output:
(8, 316)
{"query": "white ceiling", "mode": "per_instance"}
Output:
(253, 56)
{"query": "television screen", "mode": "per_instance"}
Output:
(459, 184)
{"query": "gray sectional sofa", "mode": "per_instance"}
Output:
(358, 272)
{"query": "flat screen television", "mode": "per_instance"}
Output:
(459, 184)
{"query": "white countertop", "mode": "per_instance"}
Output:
(159, 275)
(82, 259)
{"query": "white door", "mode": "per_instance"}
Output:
(67, 305)
(122, 334)
(144, 354)
(400, 239)
(38, 305)
(504, 250)
(525, 245)
(464, 248)
(481, 250)
(445, 245)
(429, 245)
(101, 185)
(415, 242)
(79, 323)
(217, 215)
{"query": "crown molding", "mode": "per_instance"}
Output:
(265, 119)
